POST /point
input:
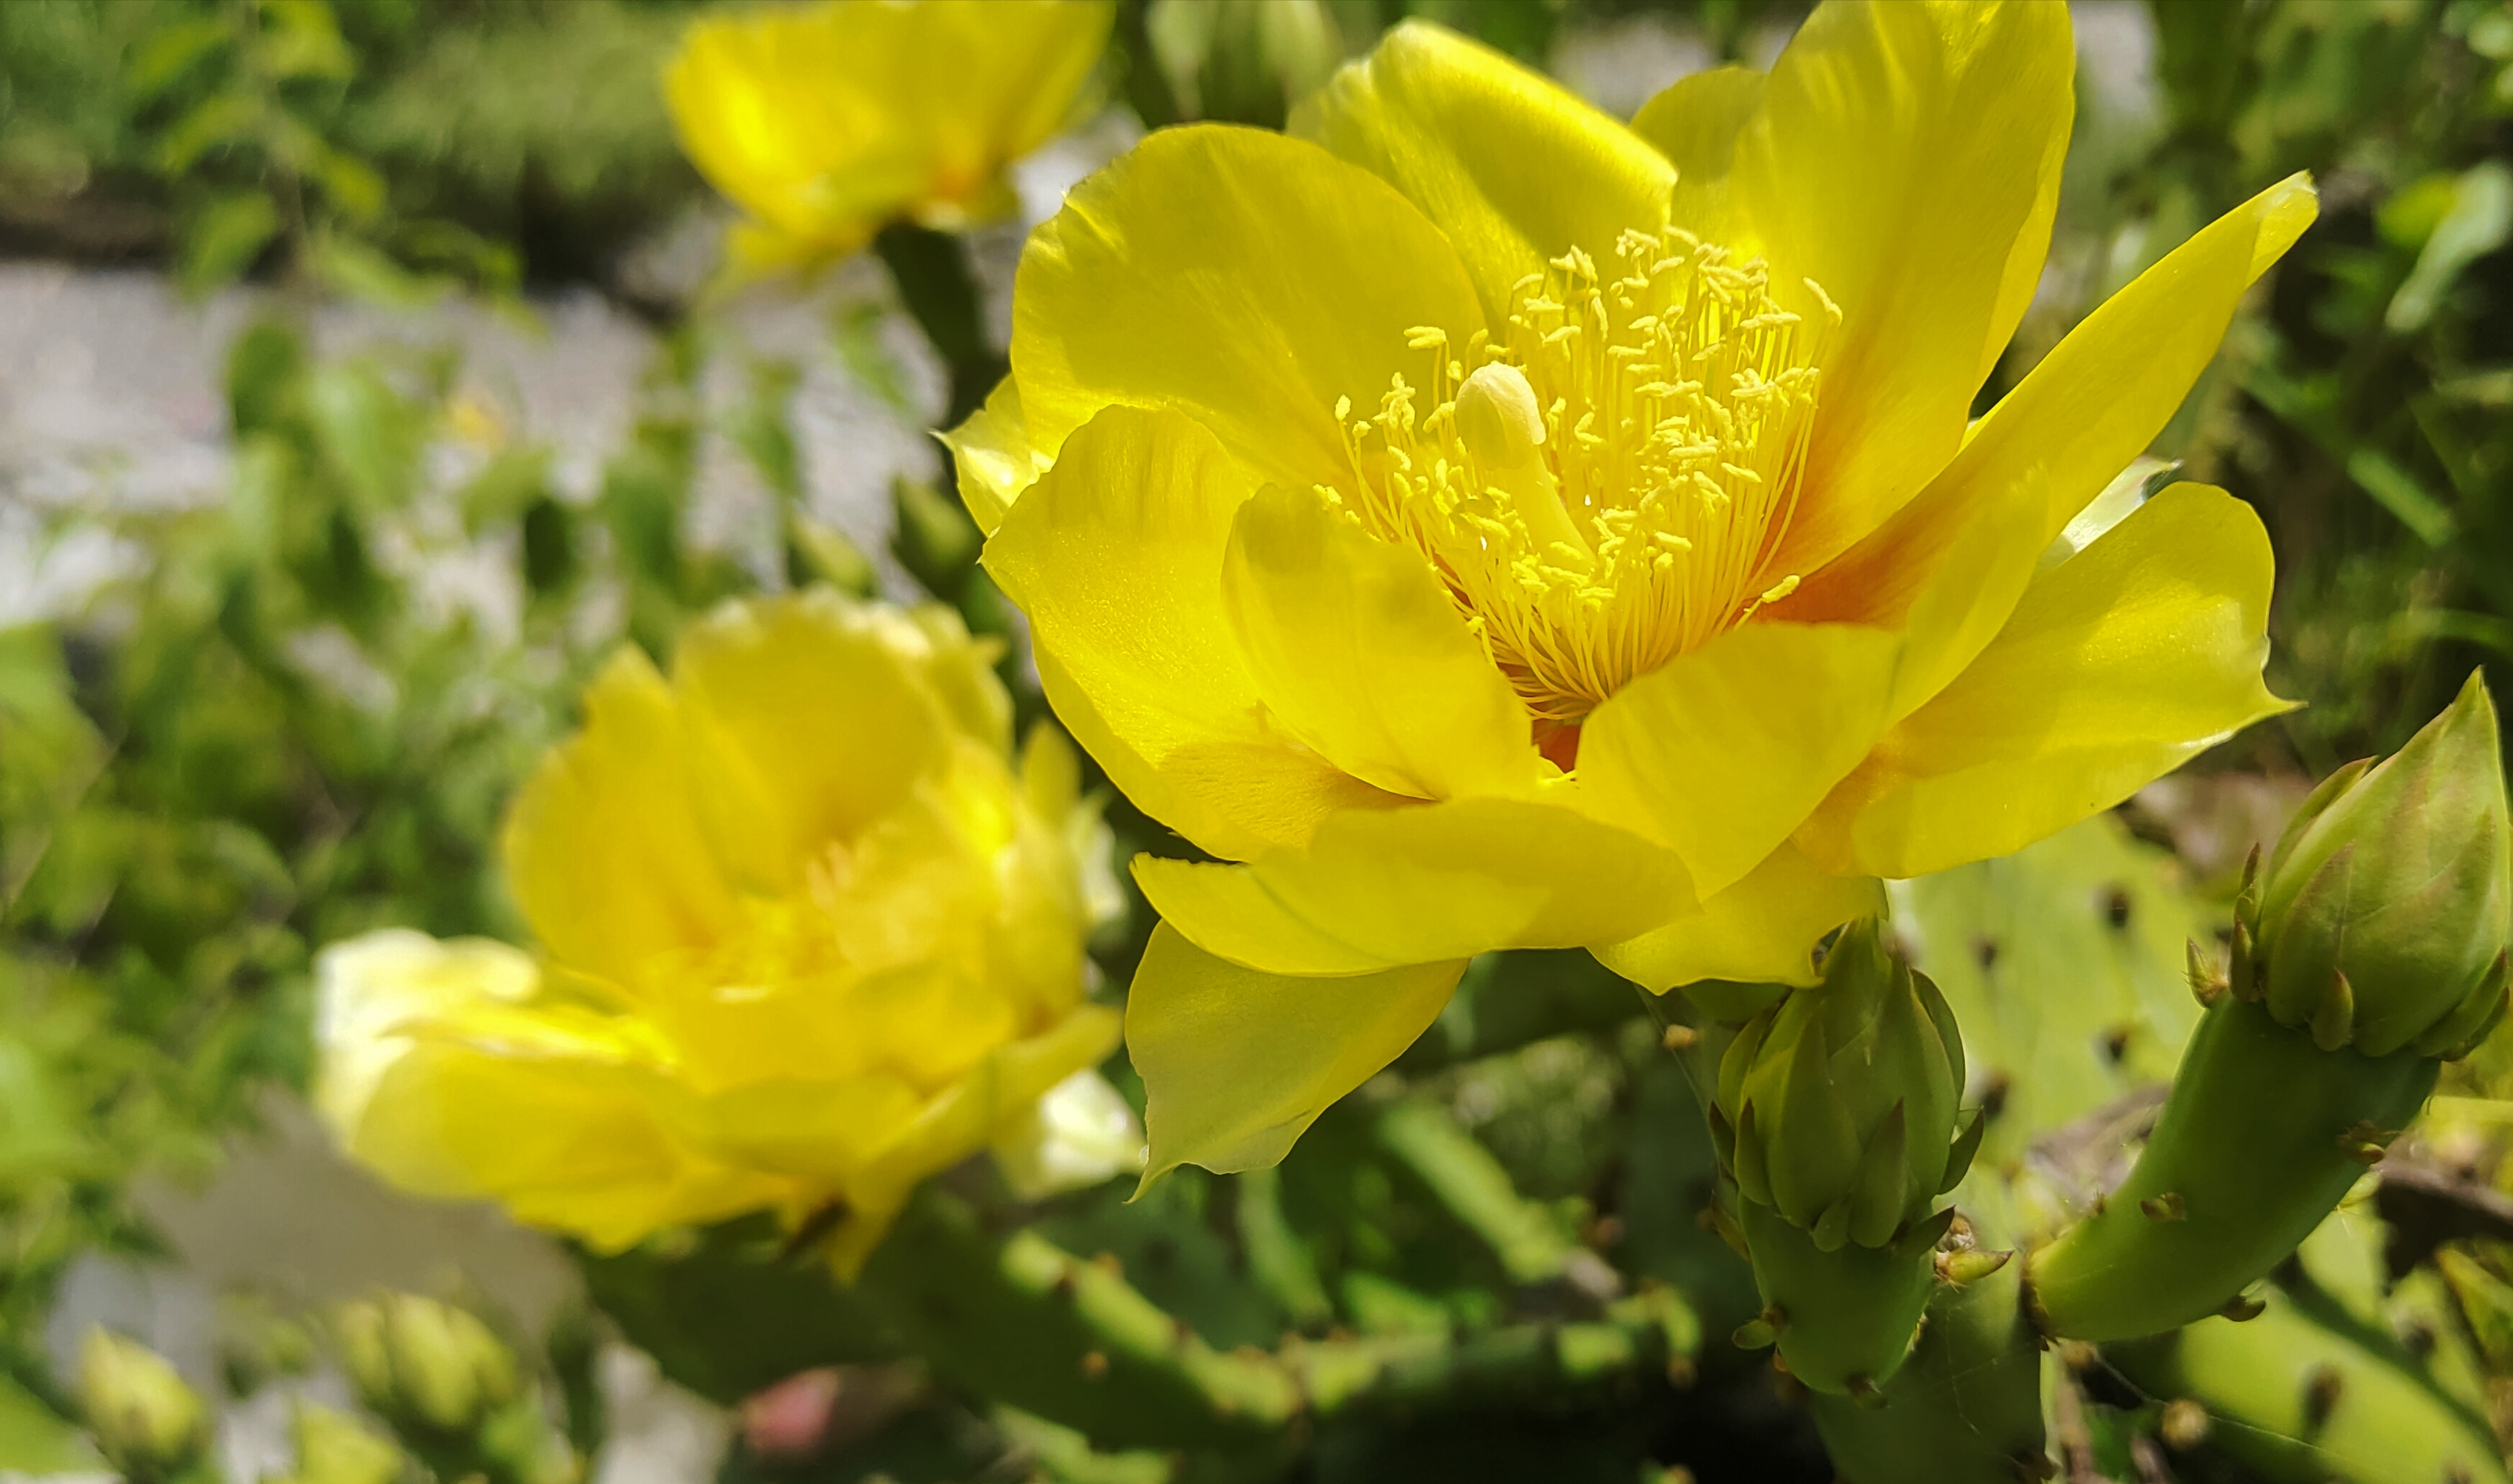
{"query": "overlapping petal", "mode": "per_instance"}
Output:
(2118, 664)
(1238, 1063)
(1243, 278)
(1116, 555)
(1950, 565)
(804, 725)
(1694, 122)
(1513, 168)
(607, 889)
(1762, 929)
(1906, 158)
(992, 457)
(1359, 651)
(1723, 751)
(1423, 884)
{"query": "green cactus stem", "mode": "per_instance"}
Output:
(1013, 1317)
(1843, 1320)
(2262, 1135)
(1965, 1409)
(1474, 1190)
(2298, 1401)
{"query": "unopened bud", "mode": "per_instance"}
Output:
(2383, 915)
(145, 1421)
(1836, 1113)
(418, 1360)
(332, 1448)
(1842, 1098)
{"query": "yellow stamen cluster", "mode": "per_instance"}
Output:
(1608, 488)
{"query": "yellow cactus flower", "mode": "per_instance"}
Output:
(1484, 524)
(827, 122)
(808, 933)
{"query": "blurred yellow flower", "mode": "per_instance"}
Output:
(809, 934)
(1497, 527)
(827, 122)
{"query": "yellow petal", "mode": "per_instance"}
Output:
(1761, 931)
(1514, 169)
(1723, 753)
(1905, 159)
(370, 989)
(992, 458)
(1950, 565)
(1116, 556)
(1243, 278)
(1376, 889)
(824, 122)
(1694, 124)
(970, 1116)
(1237, 1063)
(2119, 663)
(1360, 652)
(602, 848)
(572, 1144)
(812, 717)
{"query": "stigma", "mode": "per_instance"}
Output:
(1608, 486)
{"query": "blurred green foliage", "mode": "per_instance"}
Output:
(390, 148)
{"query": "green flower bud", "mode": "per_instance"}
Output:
(332, 1448)
(145, 1421)
(1835, 1119)
(1243, 61)
(2382, 920)
(416, 1361)
(1840, 1100)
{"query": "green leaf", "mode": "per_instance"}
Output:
(2480, 220)
(935, 541)
(222, 118)
(224, 239)
(264, 369)
(352, 267)
(856, 330)
(2403, 494)
(352, 184)
(505, 488)
(455, 249)
(761, 425)
(820, 553)
(169, 53)
(369, 432)
(300, 38)
(33, 1440)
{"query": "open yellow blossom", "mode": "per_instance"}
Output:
(809, 934)
(1496, 526)
(827, 122)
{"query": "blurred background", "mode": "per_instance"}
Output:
(361, 387)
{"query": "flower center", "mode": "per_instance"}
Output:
(1608, 487)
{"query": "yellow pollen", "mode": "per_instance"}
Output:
(1608, 487)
